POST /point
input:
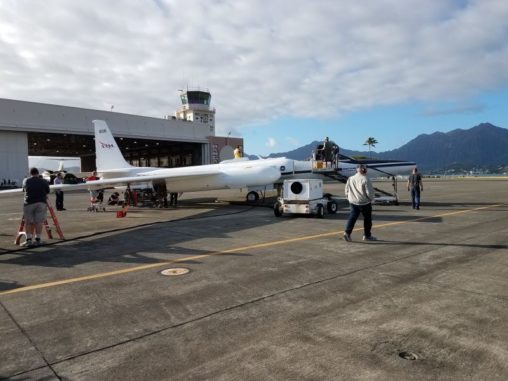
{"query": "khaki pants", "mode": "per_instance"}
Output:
(35, 213)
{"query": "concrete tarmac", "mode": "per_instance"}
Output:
(254, 297)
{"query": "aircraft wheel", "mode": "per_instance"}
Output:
(332, 207)
(252, 196)
(320, 211)
(277, 209)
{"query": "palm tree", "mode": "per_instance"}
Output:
(371, 142)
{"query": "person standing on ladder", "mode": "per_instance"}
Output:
(35, 207)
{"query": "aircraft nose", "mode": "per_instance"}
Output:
(273, 173)
(264, 175)
(269, 170)
(253, 176)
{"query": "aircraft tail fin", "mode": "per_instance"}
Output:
(108, 155)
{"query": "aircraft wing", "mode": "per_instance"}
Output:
(382, 167)
(123, 181)
(11, 191)
(140, 178)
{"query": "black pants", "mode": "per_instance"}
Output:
(366, 210)
(59, 199)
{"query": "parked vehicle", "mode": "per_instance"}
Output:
(304, 196)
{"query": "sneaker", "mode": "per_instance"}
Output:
(38, 242)
(27, 243)
(347, 237)
(371, 238)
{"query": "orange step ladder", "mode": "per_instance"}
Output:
(47, 228)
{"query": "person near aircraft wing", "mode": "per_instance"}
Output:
(35, 207)
(237, 152)
(96, 195)
(114, 199)
(160, 194)
(173, 199)
(114, 170)
(415, 186)
(253, 175)
(328, 152)
(59, 194)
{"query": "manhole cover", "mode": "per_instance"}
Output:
(175, 271)
(408, 355)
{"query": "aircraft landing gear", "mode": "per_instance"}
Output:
(252, 196)
(387, 197)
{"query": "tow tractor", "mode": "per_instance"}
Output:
(304, 196)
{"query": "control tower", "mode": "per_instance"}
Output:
(196, 108)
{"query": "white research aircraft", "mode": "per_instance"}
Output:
(114, 171)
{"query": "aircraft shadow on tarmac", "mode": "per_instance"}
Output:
(379, 215)
(213, 206)
(388, 218)
(179, 250)
(151, 243)
(9, 285)
(448, 204)
(165, 240)
(439, 244)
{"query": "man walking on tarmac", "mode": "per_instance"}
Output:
(415, 186)
(35, 207)
(360, 194)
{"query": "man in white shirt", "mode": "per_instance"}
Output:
(360, 194)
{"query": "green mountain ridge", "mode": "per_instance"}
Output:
(480, 148)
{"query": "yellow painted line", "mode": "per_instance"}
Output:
(210, 254)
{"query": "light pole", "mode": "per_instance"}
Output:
(227, 138)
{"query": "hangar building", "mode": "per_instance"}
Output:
(37, 129)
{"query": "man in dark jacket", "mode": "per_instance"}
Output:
(35, 207)
(59, 200)
(415, 186)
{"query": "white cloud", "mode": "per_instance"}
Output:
(259, 61)
(271, 143)
(437, 110)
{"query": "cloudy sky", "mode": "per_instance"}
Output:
(282, 73)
